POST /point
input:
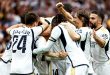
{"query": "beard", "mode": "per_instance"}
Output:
(92, 25)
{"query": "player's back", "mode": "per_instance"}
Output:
(22, 50)
(72, 49)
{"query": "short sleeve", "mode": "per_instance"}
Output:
(56, 32)
(105, 35)
(83, 33)
(11, 31)
(40, 42)
(37, 30)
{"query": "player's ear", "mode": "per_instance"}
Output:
(35, 23)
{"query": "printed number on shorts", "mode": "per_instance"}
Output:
(20, 44)
(55, 72)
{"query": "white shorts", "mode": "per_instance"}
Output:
(57, 67)
(90, 70)
(36, 71)
(4, 68)
(102, 69)
(53, 69)
(42, 67)
(80, 70)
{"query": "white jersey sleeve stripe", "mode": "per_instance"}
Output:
(106, 49)
(32, 47)
(52, 39)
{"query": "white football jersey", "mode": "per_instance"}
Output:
(6, 60)
(42, 64)
(39, 63)
(49, 19)
(22, 46)
(72, 48)
(100, 54)
(83, 32)
(59, 65)
(75, 56)
(7, 55)
(84, 41)
(108, 52)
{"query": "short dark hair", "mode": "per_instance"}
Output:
(29, 18)
(84, 16)
(68, 7)
(58, 19)
(99, 13)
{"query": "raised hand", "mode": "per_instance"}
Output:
(63, 54)
(58, 5)
(94, 33)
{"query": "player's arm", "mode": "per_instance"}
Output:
(44, 23)
(43, 49)
(39, 43)
(67, 15)
(60, 54)
(41, 28)
(47, 32)
(13, 26)
(75, 36)
(1, 55)
(42, 42)
(100, 40)
(55, 55)
(7, 55)
(55, 34)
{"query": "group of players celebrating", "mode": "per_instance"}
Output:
(64, 44)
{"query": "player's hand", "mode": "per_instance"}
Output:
(63, 54)
(58, 5)
(94, 33)
(19, 25)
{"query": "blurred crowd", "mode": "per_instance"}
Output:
(10, 11)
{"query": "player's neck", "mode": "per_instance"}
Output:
(46, 38)
(29, 26)
(79, 26)
(98, 27)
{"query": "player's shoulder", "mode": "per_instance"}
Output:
(104, 30)
(85, 28)
(56, 30)
(16, 30)
(41, 37)
(49, 19)
(57, 27)
(37, 28)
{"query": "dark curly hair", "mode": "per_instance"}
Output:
(84, 16)
(58, 19)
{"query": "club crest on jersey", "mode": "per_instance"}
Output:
(79, 31)
(105, 36)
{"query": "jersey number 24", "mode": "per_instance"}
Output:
(19, 44)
